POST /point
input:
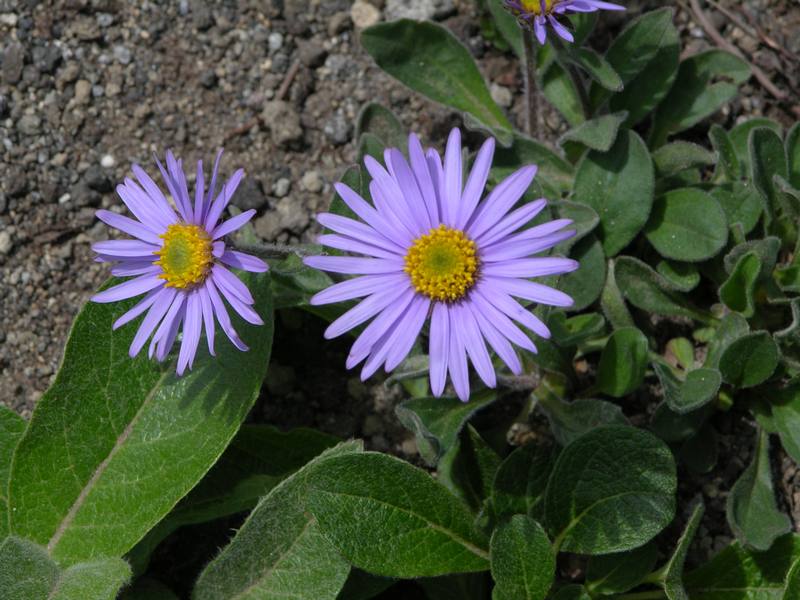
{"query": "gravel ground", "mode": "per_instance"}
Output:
(88, 87)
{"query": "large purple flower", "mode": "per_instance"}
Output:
(537, 14)
(431, 247)
(178, 261)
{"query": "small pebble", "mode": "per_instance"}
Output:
(312, 181)
(107, 161)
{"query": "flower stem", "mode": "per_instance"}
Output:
(531, 91)
(273, 250)
(519, 383)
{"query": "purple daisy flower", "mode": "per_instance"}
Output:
(537, 14)
(178, 261)
(431, 247)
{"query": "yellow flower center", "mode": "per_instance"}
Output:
(442, 264)
(185, 256)
(535, 7)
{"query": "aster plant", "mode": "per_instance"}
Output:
(549, 409)
(436, 248)
(179, 261)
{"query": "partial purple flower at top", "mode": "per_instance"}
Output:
(537, 14)
(432, 248)
(179, 261)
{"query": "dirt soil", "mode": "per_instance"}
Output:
(88, 87)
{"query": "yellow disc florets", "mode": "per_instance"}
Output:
(442, 264)
(535, 7)
(185, 256)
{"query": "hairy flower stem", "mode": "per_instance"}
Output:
(273, 250)
(531, 91)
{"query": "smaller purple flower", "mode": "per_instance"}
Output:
(178, 261)
(537, 14)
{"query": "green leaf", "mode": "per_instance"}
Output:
(585, 284)
(728, 167)
(671, 426)
(705, 82)
(381, 122)
(767, 159)
(12, 426)
(436, 422)
(732, 327)
(28, 572)
(673, 570)
(741, 203)
(520, 482)
(740, 135)
(700, 452)
(106, 417)
(360, 585)
(620, 572)
(596, 67)
(767, 250)
(683, 351)
(611, 490)
(572, 591)
(675, 157)
(293, 283)
(584, 221)
(792, 591)
(645, 55)
(647, 290)
(575, 330)
(507, 25)
(468, 468)
(430, 60)
(623, 362)
(257, 460)
(684, 277)
(619, 185)
(599, 133)
(793, 155)
(392, 519)
(749, 360)
(699, 387)
(523, 563)
(280, 552)
(688, 225)
(558, 87)
(738, 291)
(554, 174)
(751, 511)
(740, 574)
(786, 412)
(571, 420)
(612, 302)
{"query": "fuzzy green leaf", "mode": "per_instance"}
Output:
(585, 284)
(767, 159)
(738, 291)
(617, 573)
(520, 482)
(381, 122)
(12, 426)
(611, 490)
(597, 68)
(793, 155)
(104, 418)
(618, 184)
(599, 133)
(392, 519)
(430, 60)
(623, 362)
(279, 552)
(751, 511)
(688, 225)
(728, 167)
(673, 570)
(741, 203)
(749, 360)
(436, 422)
(523, 562)
(786, 412)
(554, 174)
(740, 135)
(571, 420)
(673, 158)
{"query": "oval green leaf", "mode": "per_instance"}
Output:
(523, 563)
(749, 360)
(623, 362)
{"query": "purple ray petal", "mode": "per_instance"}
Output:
(208, 317)
(408, 185)
(232, 224)
(371, 217)
(348, 244)
(562, 31)
(245, 262)
(212, 188)
(438, 347)
(143, 208)
(222, 200)
(511, 308)
(129, 289)
(355, 266)
(191, 333)
(422, 174)
(496, 340)
(244, 310)
(358, 287)
(198, 195)
(362, 312)
(172, 186)
(531, 267)
(225, 280)
(163, 343)
(475, 346)
(161, 305)
(511, 222)
(388, 196)
(500, 200)
(379, 325)
(540, 30)
(129, 226)
(457, 357)
(528, 290)
(475, 183)
(453, 178)
(390, 208)
(222, 315)
(140, 307)
(415, 319)
(154, 194)
(507, 250)
(131, 268)
(359, 231)
(502, 323)
(126, 248)
(437, 178)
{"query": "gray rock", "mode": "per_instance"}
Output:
(281, 187)
(47, 58)
(202, 18)
(16, 183)
(208, 79)
(83, 91)
(283, 122)
(29, 125)
(312, 181)
(249, 195)
(6, 243)
(339, 23)
(122, 54)
(13, 61)
(501, 95)
(364, 14)
(97, 179)
(419, 9)
(275, 41)
(311, 53)
(338, 129)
